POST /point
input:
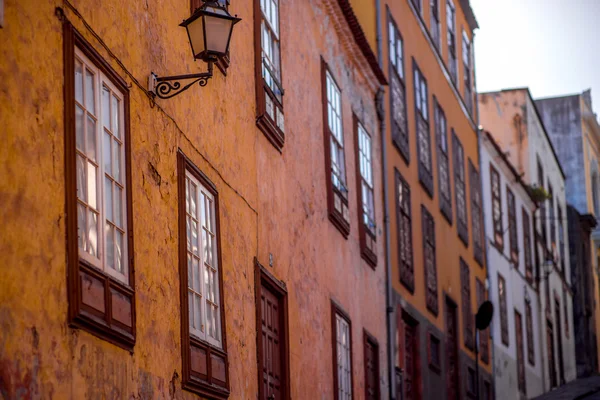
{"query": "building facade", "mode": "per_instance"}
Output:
(513, 119)
(224, 243)
(574, 130)
(433, 199)
(509, 238)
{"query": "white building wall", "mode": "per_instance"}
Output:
(518, 289)
(540, 149)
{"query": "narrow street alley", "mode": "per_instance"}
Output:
(587, 388)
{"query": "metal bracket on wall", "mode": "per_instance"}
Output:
(170, 86)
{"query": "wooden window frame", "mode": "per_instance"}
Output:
(341, 218)
(269, 125)
(467, 72)
(484, 335)
(529, 333)
(443, 159)
(418, 6)
(552, 218)
(405, 319)
(435, 366)
(407, 271)
(497, 202)
(193, 380)
(477, 214)
(459, 183)
(450, 304)
(522, 387)
(435, 24)
(422, 127)
(367, 237)
(262, 277)
(467, 308)
(400, 134)
(369, 339)
(542, 206)
(104, 324)
(527, 245)
(561, 238)
(336, 309)
(503, 310)
(513, 237)
(428, 230)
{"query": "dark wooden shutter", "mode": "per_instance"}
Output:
(476, 214)
(428, 228)
(481, 296)
(512, 227)
(460, 189)
(520, 355)
(529, 331)
(527, 246)
(404, 228)
(452, 364)
(271, 345)
(503, 309)
(371, 368)
(467, 311)
(497, 211)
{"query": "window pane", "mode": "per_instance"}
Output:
(196, 281)
(117, 161)
(118, 199)
(79, 128)
(92, 233)
(89, 92)
(108, 199)
(81, 242)
(109, 232)
(78, 82)
(81, 182)
(191, 312)
(105, 107)
(115, 117)
(195, 237)
(106, 150)
(91, 138)
(198, 313)
(91, 185)
(119, 252)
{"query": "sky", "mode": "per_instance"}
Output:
(551, 46)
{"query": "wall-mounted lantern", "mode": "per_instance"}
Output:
(209, 32)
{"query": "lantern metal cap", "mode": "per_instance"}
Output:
(214, 8)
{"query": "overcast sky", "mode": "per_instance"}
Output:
(551, 46)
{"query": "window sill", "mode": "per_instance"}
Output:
(273, 134)
(407, 280)
(426, 181)
(95, 326)
(369, 256)
(402, 150)
(210, 392)
(446, 210)
(338, 221)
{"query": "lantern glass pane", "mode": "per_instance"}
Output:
(196, 32)
(217, 34)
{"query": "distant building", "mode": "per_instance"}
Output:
(512, 118)
(509, 242)
(575, 133)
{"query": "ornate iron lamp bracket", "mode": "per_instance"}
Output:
(169, 86)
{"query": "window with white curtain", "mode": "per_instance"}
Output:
(202, 262)
(100, 168)
(344, 363)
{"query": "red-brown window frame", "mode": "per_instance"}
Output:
(192, 380)
(365, 236)
(497, 199)
(480, 297)
(503, 309)
(477, 214)
(513, 237)
(400, 134)
(369, 339)
(461, 226)
(82, 315)
(434, 365)
(425, 176)
(407, 271)
(443, 158)
(405, 319)
(527, 245)
(336, 309)
(262, 277)
(428, 230)
(336, 217)
(529, 332)
(467, 310)
(263, 121)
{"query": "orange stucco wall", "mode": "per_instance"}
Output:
(449, 248)
(270, 202)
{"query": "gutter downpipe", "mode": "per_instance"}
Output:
(386, 218)
(389, 307)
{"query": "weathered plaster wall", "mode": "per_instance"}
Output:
(270, 203)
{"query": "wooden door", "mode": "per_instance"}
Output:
(371, 369)
(272, 354)
(550, 350)
(411, 371)
(561, 365)
(520, 355)
(452, 378)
